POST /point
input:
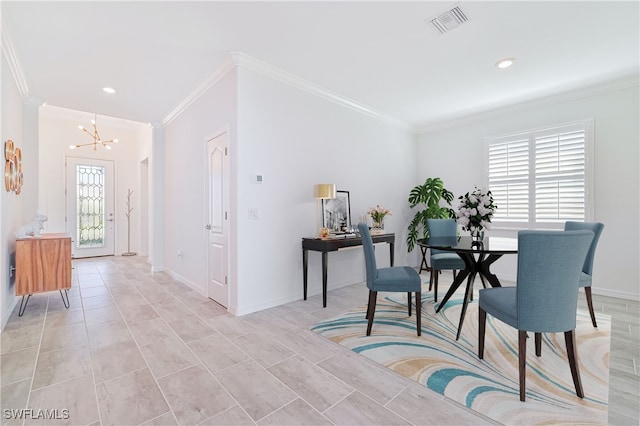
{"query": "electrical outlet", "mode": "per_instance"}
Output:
(253, 213)
(180, 254)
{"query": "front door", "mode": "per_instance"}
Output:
(217, 219)
(90, 206)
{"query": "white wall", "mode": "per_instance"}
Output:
(59, 129)
(12, 216)
(185, 141)
(455, 155)
(295, 140)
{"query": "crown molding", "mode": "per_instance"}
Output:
(85, 117)
(239, 59)
(211, 81)
(13, 62)
(594, 89)
(33, 101)
(245, 61)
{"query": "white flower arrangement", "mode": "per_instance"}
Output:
(475, 210)
(378, 213)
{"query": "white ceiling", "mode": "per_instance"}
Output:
(382, 55)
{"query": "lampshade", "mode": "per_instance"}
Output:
(324, 191)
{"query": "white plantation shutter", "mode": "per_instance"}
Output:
(538, 179)
(560, 175)
(509, 178)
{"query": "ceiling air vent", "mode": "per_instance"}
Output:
(448, 20)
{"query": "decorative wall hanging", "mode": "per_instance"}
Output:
(13, 177)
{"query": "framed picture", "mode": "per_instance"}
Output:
(336, 212)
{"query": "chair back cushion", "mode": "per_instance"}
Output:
(594, 227)
(369, 254)
(441, 228)
(549, 269)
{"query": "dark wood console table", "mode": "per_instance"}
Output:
(325, 245)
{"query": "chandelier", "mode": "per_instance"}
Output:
(96, 137)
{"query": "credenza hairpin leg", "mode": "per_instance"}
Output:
(65, 302)
(23, 305)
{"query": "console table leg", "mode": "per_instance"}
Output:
(22, 308)
(325, 259)
(391, 252)
(65, 302)
(305, 264)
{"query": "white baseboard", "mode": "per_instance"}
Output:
(615, 293)
(5, 319)
(249, 309)
(265, 305)
(195, 287)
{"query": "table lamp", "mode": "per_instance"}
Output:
(322, 191)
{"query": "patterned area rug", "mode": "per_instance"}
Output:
(490, 386)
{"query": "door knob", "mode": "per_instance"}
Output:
(208, 227)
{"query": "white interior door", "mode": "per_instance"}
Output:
(217, 219)
(90, 206)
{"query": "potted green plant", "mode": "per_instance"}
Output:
(429, 196)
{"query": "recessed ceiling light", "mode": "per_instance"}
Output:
(505, 63)
(109, 89)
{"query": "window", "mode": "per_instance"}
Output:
(540, 178)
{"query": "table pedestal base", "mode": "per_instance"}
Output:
(473, 267)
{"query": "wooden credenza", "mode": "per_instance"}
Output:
(43, 264)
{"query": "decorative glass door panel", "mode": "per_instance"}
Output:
(91, 214)
(90, 206)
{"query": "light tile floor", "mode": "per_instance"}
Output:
(140, 348)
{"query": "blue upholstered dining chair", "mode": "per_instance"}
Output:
(545, 297)
(442, 260)
(393, 279)
(587, 268)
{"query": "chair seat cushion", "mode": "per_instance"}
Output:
(585, 280)
(500, 302)
(447, 261)
(396, 279)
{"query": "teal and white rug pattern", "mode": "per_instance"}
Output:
(489, 386)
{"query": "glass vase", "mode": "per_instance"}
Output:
(378, 226)
(477, 234)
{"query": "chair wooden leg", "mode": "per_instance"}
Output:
(482, 322)
(409, 302)
(587, 292)
(538, 339)
(522, 362)
(431, 278)
(368, 306)
(418, 311)
(373, 295)
(435, 285)
(572, 354)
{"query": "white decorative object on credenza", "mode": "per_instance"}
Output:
(33, 228)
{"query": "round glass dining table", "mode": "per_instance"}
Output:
(478, 257)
